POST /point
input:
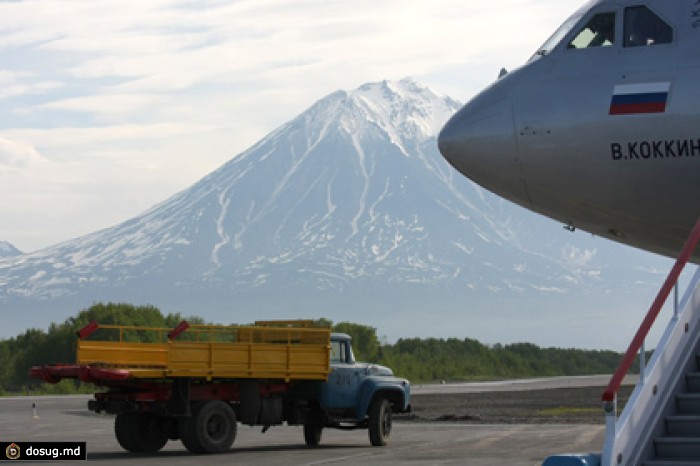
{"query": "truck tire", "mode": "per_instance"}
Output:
(312, 432)
(379, 421)
(122, 431)
(141, 432)
(210, 429)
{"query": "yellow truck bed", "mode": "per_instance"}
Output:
(287, 350)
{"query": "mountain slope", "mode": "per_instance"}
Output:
(348, 211)
(8, 250)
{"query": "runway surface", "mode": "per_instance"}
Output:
(67, 419)
(542, 383)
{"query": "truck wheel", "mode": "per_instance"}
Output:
(210, 429)
(379, 422)
(122, 431)
(312, 432)
(141, 432)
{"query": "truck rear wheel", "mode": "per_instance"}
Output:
(210, 429)
(379, 422)
(312, 432)
(141, 432)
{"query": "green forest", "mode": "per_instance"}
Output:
(420, 360)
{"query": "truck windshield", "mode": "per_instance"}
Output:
(562, 32)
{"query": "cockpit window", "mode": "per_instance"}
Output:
(643, 27)
(598, 32)
(562, 32)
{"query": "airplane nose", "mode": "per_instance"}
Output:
(479, 141)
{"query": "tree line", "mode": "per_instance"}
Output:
(418, 359)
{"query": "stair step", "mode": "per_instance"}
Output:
(688, 403)
(692, 380)
(683, 426)
(670, 463)
(686, 448)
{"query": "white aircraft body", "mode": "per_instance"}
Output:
(600, 129)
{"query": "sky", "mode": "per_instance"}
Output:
(110, 107)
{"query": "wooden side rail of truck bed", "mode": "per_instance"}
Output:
(285, 350)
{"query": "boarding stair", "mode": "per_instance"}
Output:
(660, 423)
(677, 442)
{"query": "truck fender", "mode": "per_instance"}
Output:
(372, 388)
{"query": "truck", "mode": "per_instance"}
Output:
(195, 383)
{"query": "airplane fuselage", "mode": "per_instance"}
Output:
(602, 135)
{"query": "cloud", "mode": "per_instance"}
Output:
(8, 77)
(575, 257)
(122, 91)
(13, 83)
(169, 45)
(106, 104)
(17, 154)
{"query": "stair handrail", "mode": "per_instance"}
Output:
(610, 393)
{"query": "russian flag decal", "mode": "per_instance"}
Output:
(630, 99)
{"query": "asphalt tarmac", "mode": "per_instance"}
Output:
(541, 383)
(64, 419)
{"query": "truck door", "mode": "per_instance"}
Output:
(344, 379)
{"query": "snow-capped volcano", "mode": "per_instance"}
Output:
(348, 211)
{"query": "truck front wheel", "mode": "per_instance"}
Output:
(210, 429)
(312, 432)
(379, 422)
(141, 432)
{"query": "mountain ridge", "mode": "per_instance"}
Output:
(7, 249)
